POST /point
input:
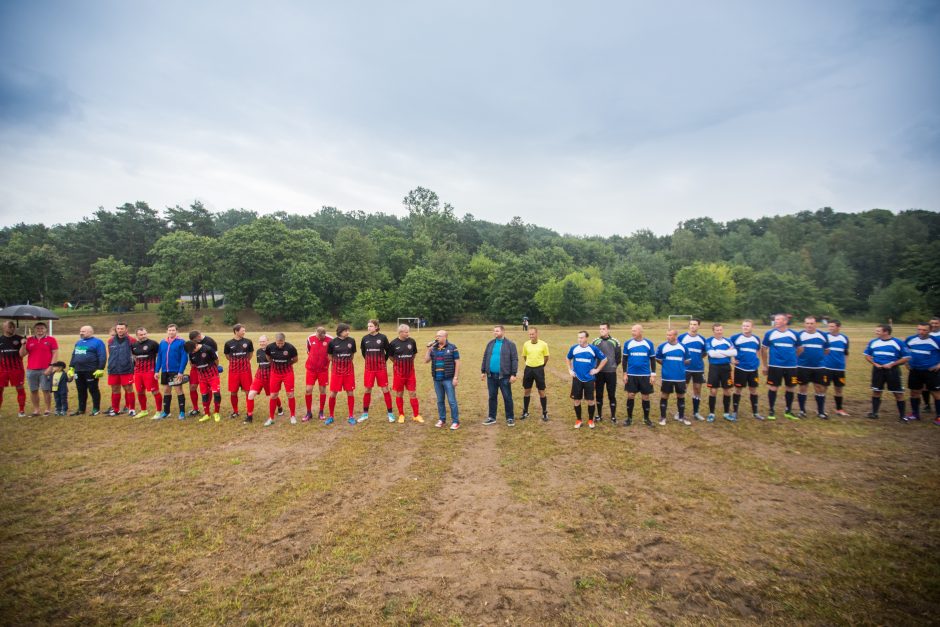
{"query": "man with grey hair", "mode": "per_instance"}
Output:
(445, 370)
(283, 356)
(403, 350)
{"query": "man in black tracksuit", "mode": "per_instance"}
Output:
(607, 377)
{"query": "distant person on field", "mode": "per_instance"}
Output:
(41, 351)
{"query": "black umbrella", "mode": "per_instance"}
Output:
(27, 312)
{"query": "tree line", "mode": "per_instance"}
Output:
(430, 263)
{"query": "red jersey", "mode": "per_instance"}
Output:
(318, 356)
(342, 351)
(403, 356)
(39, 352)
(10, 360)
(239, 354)
(145, 355)
(374, 350)
(281, 357)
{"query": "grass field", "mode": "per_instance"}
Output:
(122, 520)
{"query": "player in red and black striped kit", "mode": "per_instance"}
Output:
(282, 356)
(374, 347)
(197, 336)
(318, 369)
(144, 351)
(205, 364)
(238, 350)
(342, 372)
(402, 350)
(261, 381)
(11, 364)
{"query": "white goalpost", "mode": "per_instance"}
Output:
(682, 316)
(413, 322)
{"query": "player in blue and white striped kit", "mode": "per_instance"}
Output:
(886, 354)
(809, 366)
(673, 357)
(779, 351)
(924, 375)
(720, 353)
(746, 366)
(695, 373)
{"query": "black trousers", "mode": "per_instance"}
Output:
(85, 384)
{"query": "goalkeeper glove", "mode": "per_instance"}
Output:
(71, 373)
(98, 374)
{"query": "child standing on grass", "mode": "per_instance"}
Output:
(60, 388)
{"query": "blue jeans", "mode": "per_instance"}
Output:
(446, 387)
(496, 384)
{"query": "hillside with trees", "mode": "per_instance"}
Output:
(355, 265)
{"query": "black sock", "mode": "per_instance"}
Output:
(788, 400)
(646, 410)
(680, 403)
(577, 411)
(771, 399)
(925, 396)
(166, 403)
(754, 399)
(726, 403)
(663, 403)
(736, 401)
(181, 399)
(613, 410)
(630, 404)
(591, 412)
(544, 401)
(915, 406)
(696, 401)
(821, 403)
(525, 404)
(801, 399)
(711, 404)
(839, 402)
(875, 404)
(901, 408)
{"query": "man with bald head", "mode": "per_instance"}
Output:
(639, 373)
(88, 360)
(445, 370)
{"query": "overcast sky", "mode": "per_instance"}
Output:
(585, 117)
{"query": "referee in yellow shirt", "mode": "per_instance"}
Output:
(535, 355)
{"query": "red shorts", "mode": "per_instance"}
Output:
(120, 379)
(145, 381)
(12, 377)
(262, 381)
(319, 377)
(375, 377)
(239, 381)
(208, 380)
(340, 382)
(407, 382)
(277, 378)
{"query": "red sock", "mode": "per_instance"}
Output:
(414, 405)
(234, 399)
(366, 401)
(272, 407)
(388, 401)
(322, 401)
(205, 408)
(308, 399)
(250, 406)
(332, 405)
(351, 401)
(194, 397)
(157, 401)
(130, 400)
(401, 405)
(292, 405)
(21, 399)
(116, 401)
(142, 399)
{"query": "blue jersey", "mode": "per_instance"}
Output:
(584, 359)
(637, 356)
(925, 354)
(815, 346)
(672, 357)
(748, 351)
(782, 347)
(695, 345)
(838, 351)
(720, 350)
(885, 351)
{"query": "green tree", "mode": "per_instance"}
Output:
(426, 292)
(771, 292)
(705, 289)
(113, 279)
(899, 301)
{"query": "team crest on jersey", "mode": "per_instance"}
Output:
(379, 342)
(285, 353)
(244, 345)
(16, 342)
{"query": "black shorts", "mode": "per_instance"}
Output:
(924, 379)
(835, 377)
(777, 376)
(668, 387)
(639, 383)
(719, 376)
(582, 389)
(695, 377)
(745, 378)
(166, 377)
(533, 375)
(881, 378)
(819, 376)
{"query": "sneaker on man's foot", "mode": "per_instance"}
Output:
(454, 426)
(418, 418)
(307, 417)
(351, 420)
(699, 417)
(544, 417)
(648, 422)
(710, 418)
(911, 417)
(182, 416)
(391, 415)
(95, 412)
(490, 420)
(131, 413)
(771, 416)
(730, 417)
(280, 410)
(161, 416)
(328, 420)
(248, 420)
(872, 415)
(401, 419)
(823, 416)
(439, 424)
(269, 422)
(524, 415)
(293, 420)
(590, 423)
(193, 412)
(842, 412)
(321, 416)
(759, 417)
(613, 420)
(77, 412)
(662, 421)
(233, 415)
(802, 414)
(577, 424)
(685, 421)
(111, 413)
(510, 422)
(363, 416)
(628, 422)
(205, 417)
(789, 414)
(936, 421)
(217, 417)
(142, 413)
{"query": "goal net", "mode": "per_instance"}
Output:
(414, 323)
(678, 317)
